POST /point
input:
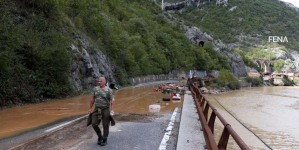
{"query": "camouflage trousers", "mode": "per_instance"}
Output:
(97, 116)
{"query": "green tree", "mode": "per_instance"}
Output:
(277, 65)
(228, 79)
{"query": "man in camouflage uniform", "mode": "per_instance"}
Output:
(102, 97)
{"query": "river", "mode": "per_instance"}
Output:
(270, 112)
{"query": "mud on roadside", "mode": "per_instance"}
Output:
(134, 117)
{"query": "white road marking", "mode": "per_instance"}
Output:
(64, 124)
(167, 134)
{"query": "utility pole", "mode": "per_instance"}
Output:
(270, 55)
(162, 4)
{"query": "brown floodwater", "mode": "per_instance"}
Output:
(270, 112)
(128, 100)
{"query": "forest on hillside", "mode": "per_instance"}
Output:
(36, 34)
(250, 19)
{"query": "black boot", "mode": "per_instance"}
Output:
(100, 140)
(104, 142)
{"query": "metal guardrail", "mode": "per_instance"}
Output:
(203, 106)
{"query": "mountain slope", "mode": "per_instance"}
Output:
(48, 45)
(258, 18)
(247, 24)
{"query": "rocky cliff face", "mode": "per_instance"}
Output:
(195, 35)
(200, 2)
(174, 75)
(88, 64)
(197, 3)
(295, 62)
(290, 57)
(222, 2)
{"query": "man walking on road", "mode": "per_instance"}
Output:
(102, 97)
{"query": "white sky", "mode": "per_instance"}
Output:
(294, 2)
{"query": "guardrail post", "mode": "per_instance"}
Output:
(206, 110)
(197, 94)
(212, 121)
(202, 104)
(201, 99)
(222, 144)
(198, 97)
(208, 128)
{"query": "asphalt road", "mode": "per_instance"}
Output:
(26, 136)
(140, 133)
(131, 136)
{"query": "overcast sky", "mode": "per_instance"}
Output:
(294, 2)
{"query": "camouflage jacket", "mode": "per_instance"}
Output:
(102, 97)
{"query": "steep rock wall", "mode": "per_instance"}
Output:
(195, 35)
(290, 57)
(197, 3)
(88, 64)
(174, 75)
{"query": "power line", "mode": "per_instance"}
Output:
(244, 125)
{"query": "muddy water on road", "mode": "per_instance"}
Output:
(270, 112)
(137, 100)
(129, 100)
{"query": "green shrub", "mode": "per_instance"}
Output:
(248, 61)
(234, 85)
(286, 81)
(277, 65)
(255, 81)
(248, 79)
(214, 85)
(219, 82)
(226, 78)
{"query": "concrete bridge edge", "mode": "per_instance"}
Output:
(190, 135)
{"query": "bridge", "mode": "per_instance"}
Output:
(264, 64)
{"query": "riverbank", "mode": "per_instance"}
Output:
(243, 83)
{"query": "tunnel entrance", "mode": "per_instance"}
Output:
(201, 43)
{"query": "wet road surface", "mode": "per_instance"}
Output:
(125, 135)
(128, 101)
